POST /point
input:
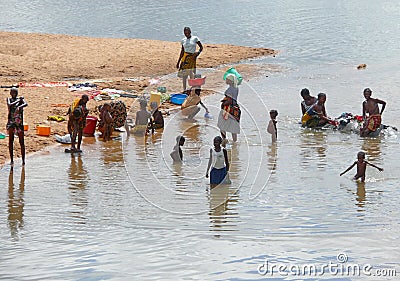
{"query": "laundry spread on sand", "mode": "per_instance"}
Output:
(57, 118)
(43, 85)
(80, 87)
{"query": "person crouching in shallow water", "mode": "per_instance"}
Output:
(106, 122)
(143, 118)
(15, 123)
(316, 115)
(372, 122)
(361, 167)
(77, 121)
(219, 162)
(177, 154)
(307, 101)
(272, 125)
(190, 106)
(157, 119)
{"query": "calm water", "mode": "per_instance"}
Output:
(123, 211)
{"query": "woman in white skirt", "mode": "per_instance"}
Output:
(229, 116)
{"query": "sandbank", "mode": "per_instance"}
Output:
(124, 64)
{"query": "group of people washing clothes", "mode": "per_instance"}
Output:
(314, 113)
(112, 116)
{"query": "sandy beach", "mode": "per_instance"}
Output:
(123, 64)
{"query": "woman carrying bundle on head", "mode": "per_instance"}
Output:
(229, 116)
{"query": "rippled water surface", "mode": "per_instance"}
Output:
(123, 211)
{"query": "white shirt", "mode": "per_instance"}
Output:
(218, 159)
(189, 44)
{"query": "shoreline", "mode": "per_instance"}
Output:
(123, 64)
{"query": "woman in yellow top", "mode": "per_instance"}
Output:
(187, 58)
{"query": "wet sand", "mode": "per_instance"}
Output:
(27, 57)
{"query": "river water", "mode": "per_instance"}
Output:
(123, 211)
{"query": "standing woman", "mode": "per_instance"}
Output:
(229, 116)
(187, 58)
(219, 163)
(15, 123)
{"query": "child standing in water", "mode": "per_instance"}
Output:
(105, 124)
(219, 163)
(361, 167)
(15, 123)
(176, 153)
(272, 125)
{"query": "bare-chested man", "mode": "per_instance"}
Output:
(371, 113)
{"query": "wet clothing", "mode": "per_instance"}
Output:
(307, 107)
(158, 120)
(310, 119)
(373, 122)
(272, 130)
(15, 117)
(229, 116)
(217, 176)
(218, 171)
(77, 115)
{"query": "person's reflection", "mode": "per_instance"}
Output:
(16, 203)
(360, 196)
(372, 147)
(222, 200)
(112, 153)
(78, 179)
(157, 136)
(313, 141)
(193, 145)
(272, 153)
(235, 166)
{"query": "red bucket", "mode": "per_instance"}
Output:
(91, 122)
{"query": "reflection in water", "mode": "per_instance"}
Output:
(112, 153)
(272, 153)
(224, 197)
(222, 213)
(179, 177)
(312, 141)
(78, 180)
(16, 203)
(372, 148)
(360, 196)
(191, 131)
(234, 164)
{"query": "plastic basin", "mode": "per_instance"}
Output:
(233, 71)
(197, 81)
(178, 98)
